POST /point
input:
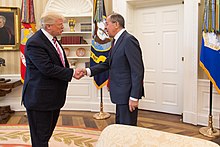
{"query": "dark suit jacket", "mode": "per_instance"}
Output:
(46, 79)
(126, 69)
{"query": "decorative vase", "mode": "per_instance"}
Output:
(72, 23)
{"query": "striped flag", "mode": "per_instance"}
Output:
(217, 15)
(28, 28)
(100, 43)
(210, 49)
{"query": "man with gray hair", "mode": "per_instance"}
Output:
(46, 79)
(6, 36)
(126, 70)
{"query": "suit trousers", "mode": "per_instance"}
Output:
(124, 116)
(42, 124)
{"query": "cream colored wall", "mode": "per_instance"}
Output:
(108, 6)
(201, 73)
(13, 57)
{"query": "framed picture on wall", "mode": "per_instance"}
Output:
(9, 28)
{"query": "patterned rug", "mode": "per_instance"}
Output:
(19, 136)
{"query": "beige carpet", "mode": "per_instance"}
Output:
(19, 136)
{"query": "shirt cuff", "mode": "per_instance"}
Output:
(88, 72)
(133, 99)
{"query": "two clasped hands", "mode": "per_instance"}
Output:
(79, 73)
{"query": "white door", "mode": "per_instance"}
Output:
(160, 32)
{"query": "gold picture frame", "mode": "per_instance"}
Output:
(10, 27)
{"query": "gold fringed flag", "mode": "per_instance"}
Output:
(28, 28)
(100, 43)
(210, 49)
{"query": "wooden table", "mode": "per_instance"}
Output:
(6, 85)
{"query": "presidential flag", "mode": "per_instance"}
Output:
(210, 49)
(28, 28)
(101, 43)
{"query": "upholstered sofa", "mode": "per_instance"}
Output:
(130, 136)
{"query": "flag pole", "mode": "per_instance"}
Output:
(101, 114)
(210, 131)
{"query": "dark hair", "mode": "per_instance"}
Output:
(115, 17)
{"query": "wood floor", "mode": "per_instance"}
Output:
(147, 119)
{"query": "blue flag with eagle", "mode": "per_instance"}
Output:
(210, 49)
(101, 43)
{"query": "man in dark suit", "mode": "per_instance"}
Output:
(126, 71)
(46, 79)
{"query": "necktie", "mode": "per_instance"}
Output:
(113, 42)
(58, 50)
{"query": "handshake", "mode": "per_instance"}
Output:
(79, 73)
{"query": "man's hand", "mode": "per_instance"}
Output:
(133, 105)
(79, 73)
